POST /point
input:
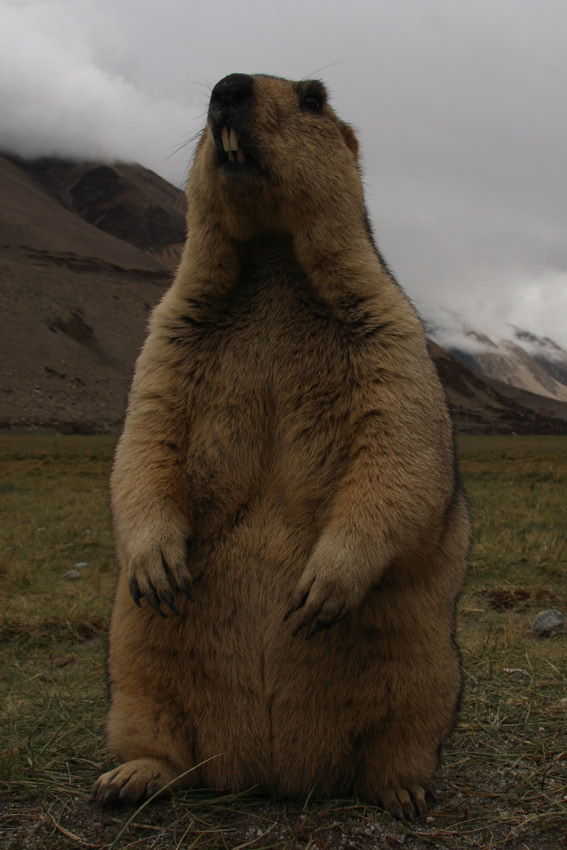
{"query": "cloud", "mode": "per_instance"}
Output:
(495, 304)
(57, 98)
(458, 107)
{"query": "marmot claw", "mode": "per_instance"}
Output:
(157, 575)
(323, 605)
(405, 803)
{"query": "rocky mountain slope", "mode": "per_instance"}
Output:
(86, 251)
(482, 405)
(57, 204)
(523, 360)
(77, 285)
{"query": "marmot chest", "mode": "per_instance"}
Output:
(271, 409)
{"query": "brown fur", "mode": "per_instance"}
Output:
(288, 460)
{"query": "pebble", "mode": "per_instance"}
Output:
(549, 622)
(516, 672)
(63, 661)
(72, 574)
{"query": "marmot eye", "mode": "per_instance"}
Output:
(312, 102)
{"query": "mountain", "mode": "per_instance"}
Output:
(523, 360)
(482, 405)
(49, 204)
(86, 251)
(77, 286)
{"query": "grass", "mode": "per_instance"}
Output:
(503, 780)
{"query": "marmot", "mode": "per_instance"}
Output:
(286, 471)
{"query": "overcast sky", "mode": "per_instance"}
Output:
(459, 106)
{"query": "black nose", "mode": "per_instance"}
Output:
(230, 96)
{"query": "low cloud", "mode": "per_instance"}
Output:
(57, 98)
(493, 305)
(457, 107)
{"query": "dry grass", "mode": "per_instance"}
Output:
(503, 781)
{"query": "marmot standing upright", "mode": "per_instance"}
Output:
(286, 471)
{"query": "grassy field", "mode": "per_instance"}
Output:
(503, 780)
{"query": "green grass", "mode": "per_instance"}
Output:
(503, 780)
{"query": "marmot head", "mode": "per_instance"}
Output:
(273, 157)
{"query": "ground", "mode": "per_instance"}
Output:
(503, 777)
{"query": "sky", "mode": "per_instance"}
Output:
(459, 106)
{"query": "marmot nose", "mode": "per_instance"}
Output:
(231, 94)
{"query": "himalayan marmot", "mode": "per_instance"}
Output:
(290, 527)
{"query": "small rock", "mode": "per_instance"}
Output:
(516, 672)
(82, 565)
(63, 661)
(72, 574)
(549, 622)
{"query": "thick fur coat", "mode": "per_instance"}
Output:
(290, 528)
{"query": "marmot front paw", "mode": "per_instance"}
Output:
(156, 571)
(325, 594)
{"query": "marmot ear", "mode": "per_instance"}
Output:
(350, 137)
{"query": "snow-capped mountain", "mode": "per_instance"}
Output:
(522, 359)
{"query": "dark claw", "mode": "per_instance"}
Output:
(419, 807)
(310, 622)
(293, 607)
(430, 797)
(164, 563)
(323, 625)
(318, 626)
(187, 589)
(108, 798)
(409, 811)
(154, 600)
(135, 591)
(299, 626)
(155, 605)
(103, 797)
(397, 812)
(185, 586)
(169, 601)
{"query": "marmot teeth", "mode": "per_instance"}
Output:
(229, 140)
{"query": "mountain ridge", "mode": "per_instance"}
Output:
(87, 250)
(524, 360)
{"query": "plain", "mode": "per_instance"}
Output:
(503, 780)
